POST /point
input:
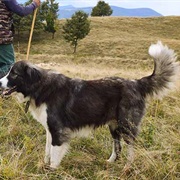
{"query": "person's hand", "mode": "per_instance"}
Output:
(38, 2)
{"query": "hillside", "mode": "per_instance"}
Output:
(115, 46)
(111, 41)
(68, 11)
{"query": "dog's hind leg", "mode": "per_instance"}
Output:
(130, 157)
(116, 143)
(130, 132)
(48, 147)
(129, 122)
(57, 153)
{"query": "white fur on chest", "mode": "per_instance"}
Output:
(39, 113)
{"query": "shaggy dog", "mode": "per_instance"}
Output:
(66, 106)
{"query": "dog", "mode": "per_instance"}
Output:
(67, 107)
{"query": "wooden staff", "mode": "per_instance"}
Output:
(31, 33)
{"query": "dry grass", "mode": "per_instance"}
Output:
(114, 47)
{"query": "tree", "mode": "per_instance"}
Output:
(76, 28)
(24, 23)
(46, 17)
(49, 14)
(101, 9)
(17, 24)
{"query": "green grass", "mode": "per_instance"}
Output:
(114, 47)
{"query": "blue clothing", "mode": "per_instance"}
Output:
(13, 6)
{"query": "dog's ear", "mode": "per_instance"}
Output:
(33, 74)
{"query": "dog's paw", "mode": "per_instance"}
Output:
(53, 166)
(110, 160)
(48, 168)
(47, 159)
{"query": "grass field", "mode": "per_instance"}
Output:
(115, 47)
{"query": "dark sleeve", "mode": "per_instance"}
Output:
(13, 6)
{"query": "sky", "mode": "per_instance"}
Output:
(164, 7)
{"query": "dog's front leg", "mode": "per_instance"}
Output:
(48, 147)
(57, 153)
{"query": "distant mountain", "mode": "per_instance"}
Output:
(68, 11)
(138, 12)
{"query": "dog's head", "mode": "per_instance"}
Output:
(21, 78)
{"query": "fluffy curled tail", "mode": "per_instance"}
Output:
(165, 74)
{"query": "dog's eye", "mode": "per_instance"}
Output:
(14, 75)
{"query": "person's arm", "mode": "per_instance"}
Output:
(13, 6)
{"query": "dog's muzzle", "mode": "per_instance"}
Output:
(9, 91)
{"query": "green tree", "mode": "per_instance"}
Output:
(17, 24)
(24, 23)
(21, 24)
(101, 9)
(76, 28)
(49, 14)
